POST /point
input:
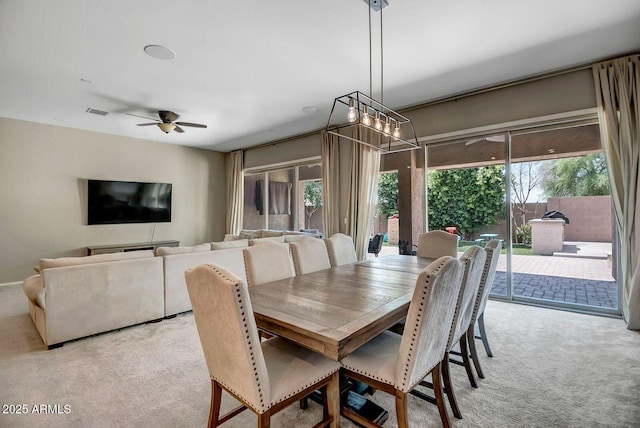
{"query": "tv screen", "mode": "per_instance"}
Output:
(114, 202)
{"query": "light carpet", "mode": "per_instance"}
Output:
(551, 369)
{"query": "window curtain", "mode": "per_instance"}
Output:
(235, 192)
(365, 166)
(617, 85)
(330, 184)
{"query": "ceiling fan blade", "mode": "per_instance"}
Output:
(178, 129)
(146, 124)
(470, 142)
(168, 116)
(194, 125)
(144, 117)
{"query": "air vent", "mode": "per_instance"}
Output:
(96, 111)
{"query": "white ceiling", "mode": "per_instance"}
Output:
(248, 68)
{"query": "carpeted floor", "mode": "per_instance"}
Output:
(551, 369)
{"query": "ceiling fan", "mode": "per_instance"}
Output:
(167, 122)
(493, 139)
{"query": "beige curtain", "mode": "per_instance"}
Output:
(365, 166)
(617, 91)
(330, 184)
(235, 192)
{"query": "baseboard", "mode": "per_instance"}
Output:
(8, 284)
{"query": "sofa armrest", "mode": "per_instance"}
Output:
(34, 290)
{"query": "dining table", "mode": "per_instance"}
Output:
(335, 311)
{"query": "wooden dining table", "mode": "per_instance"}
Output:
(337, 310)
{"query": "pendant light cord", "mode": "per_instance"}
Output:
(381, 58)
(371, 58)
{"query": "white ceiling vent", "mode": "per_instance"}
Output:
(96, 111)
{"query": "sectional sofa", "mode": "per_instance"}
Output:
(75, 297)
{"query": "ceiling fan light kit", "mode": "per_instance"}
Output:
(167, 122)
(395, 130)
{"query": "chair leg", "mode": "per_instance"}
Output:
(401, 409)
(304, 403)
(332, 400)
(448, 386)
(437, 389)
(483, 335)
(216, 399)
(465, 359)
(264, 420)
(474, 352)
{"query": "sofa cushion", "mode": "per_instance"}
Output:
(296, 237)
(223, 245)
(166, 251)
(34, 290)
(250, 234)
(266, 233)
(98, 258)
(273, 238)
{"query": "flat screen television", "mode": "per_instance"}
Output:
(115, 202)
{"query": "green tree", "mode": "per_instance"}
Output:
(578, 176)
(388, 194)
(312, 200)
(468, 199)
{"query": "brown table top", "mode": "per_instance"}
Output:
(400, 263)
(335, 311)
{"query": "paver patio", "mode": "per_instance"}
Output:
(581, 275)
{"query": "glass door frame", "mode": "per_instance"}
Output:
(509, 130)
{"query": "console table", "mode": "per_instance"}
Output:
(119, 248)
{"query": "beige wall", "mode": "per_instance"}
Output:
(43, 173)
(590, 217)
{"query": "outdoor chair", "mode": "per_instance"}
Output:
(375, 244)
(341, 250)
(264, 376)
(397, 364)
(492, 249)
(437, 243)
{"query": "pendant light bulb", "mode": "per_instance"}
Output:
(387, 126)
(396, 131)
(352, 116)
(366, 119)
(378, 122)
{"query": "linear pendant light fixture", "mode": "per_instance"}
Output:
(394, 132)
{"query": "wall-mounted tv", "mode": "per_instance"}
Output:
(115, 202)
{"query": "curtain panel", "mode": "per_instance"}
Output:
(365, 166)
(235, 191)
(330, 184)
(617, 84)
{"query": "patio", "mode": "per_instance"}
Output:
(580, 274)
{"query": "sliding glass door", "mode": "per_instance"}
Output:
(555, 218)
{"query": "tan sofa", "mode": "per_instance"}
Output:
(176, 297)
(76, 297)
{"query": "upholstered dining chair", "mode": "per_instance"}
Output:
(472, 261)
(267, 261)
(492, 248)
(264, 376)
(309, 255)
(397, 364)
(341, 249)
(437, 243)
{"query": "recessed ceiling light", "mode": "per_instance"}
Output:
(551, 151)
(159, 52)
(310, 110)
